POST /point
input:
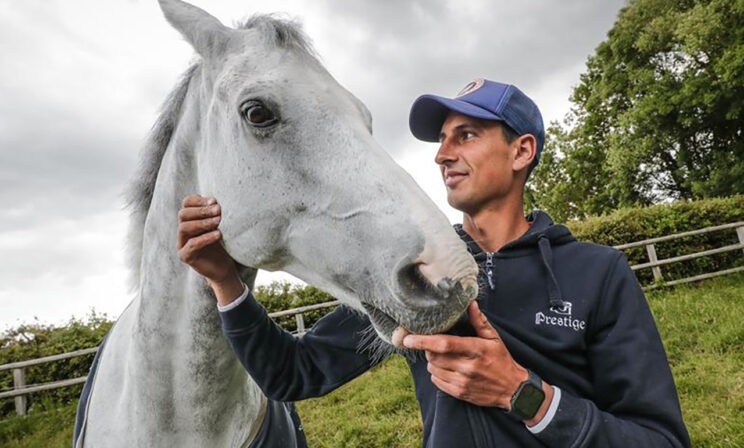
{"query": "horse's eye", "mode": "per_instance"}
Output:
(258, 115)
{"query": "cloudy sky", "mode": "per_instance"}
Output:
(81, 82)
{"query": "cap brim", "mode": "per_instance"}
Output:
(428, 113)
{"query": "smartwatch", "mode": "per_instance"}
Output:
(528, 398)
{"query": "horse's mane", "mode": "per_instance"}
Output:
(277, 33)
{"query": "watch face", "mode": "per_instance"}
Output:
(529, 400)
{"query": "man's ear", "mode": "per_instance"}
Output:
(525, 147)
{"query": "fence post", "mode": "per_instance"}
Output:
(651, 251)
(300, 324)
(19, 382)
(740, 234)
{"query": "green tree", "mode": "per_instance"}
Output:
(657, 115)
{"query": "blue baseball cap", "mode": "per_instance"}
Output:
(481, 98)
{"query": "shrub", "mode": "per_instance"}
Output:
(280, 296)
(636, 224)
(36, 340)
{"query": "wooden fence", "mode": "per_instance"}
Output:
(21, 389)
(655, 264)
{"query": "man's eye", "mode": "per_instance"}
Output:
(467, 135)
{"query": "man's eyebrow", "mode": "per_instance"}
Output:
(461, 127)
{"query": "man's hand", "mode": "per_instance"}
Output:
(479, 370)
(199, 246)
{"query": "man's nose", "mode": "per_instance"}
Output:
(445, 153)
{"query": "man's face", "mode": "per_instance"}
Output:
(476, 162)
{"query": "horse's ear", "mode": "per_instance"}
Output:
(204, 32)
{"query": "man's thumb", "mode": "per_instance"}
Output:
(478, 320)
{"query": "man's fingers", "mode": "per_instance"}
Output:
(478, 320)
(456, 362)
(199, 212)
(435, 343)
(460, 373)
(438, 343)
(454, 390)
(196, 200)
(188, 252)
(190, 229)
(449, 376)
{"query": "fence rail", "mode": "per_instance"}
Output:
(21, 389)
(655, 264)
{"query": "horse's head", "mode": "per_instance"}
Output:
(305, 188)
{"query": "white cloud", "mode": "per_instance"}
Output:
(62, 268)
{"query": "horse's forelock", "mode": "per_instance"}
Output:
(279, 31)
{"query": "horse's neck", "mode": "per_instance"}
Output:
(177, 327)
(168, 293)
(167, 373)
(174, 302)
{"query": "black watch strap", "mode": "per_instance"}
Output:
(528, 398)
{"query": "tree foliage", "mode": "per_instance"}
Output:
(657, 115)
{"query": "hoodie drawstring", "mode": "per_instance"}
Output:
(554, 291)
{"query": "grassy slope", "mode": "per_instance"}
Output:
(703, 330)
(39, 430)
(376, 410)
(701, 326)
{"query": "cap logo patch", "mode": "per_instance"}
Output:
(471, 87)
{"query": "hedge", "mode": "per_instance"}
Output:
(36, 340)
(636, 224)
(280, 296)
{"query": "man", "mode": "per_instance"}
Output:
(565, 351)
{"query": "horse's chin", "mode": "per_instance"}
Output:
(393, 324)
(383, 324)
(389, 330)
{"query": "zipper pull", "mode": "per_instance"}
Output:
(489, 269)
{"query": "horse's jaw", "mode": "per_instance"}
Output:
(405, 291)
(401, 317)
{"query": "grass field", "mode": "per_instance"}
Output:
(702, 327)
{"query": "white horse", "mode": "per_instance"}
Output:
(258, 123)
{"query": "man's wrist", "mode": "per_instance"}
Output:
(520, 377)
(236, 302)
(531, 397)
(228, 289)
(548, 390)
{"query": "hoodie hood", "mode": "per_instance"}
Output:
(542, 235)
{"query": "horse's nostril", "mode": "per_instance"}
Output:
(416, 287)
(410, 277)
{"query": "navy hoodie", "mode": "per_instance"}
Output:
(572, 312)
